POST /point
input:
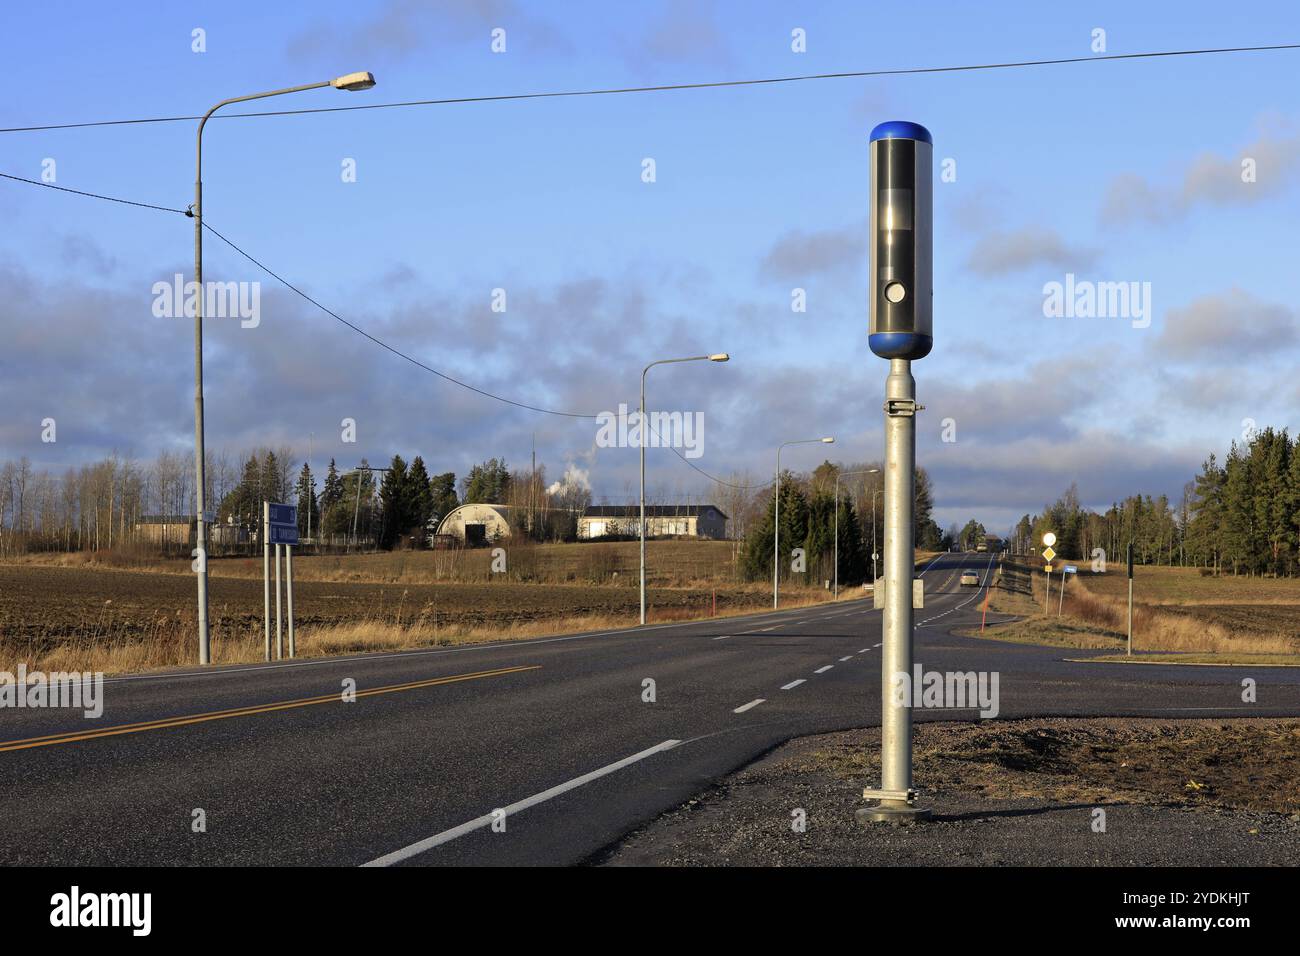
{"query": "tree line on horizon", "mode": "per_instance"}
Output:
(1239, 517)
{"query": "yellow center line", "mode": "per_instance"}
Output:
(73, 736)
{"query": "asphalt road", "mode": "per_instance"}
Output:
(554, 732)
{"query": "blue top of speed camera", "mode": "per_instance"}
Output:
(901, 129)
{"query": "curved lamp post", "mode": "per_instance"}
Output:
(642, 434)
(350, 81)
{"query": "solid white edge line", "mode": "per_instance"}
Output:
(752, 704)
(823, 670)
(446, 836)
(793, 684)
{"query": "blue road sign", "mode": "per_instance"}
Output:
(283, 534)
(284, 514)
(283, 528)
(1071, 569)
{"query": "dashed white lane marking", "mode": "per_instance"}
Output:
(773, 628)
(823, 670)
(877, 645)
(793, 684)
(864, 650)
(723, 637)
(752, 704)
(843, 659)
(446, 836)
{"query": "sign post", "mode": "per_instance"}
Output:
(1130, 599)
(281, 526)
(266, 576)
(901, 330)
(1067, 569)
(1049, 539)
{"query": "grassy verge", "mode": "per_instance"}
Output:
(1089, 620)
(1216, 660)
(172, 644)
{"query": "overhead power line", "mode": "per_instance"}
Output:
(79, 192)
(668, 87)
(384, 345)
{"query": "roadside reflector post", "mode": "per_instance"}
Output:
(900, 331)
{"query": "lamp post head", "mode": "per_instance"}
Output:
(828, 441)
(720, 357)
(354, 81)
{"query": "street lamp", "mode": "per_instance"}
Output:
(642, 434)
(776, 523)
(351, 81)
(874, 552)
(865, 471)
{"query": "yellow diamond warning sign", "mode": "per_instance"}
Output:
(1048, 554)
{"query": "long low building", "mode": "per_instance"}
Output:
(692, 521)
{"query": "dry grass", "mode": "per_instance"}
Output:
(171, 642)
(670, 563)
(1093, 620)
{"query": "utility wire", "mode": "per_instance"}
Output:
(78, 192)
(1017, 64)
(360, 331)
(381, 343)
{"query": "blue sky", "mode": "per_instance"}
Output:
(1114, 171)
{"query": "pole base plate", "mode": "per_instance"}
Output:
(897, 813)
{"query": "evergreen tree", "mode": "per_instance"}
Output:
(418, 503)
(331, 496)
(1271, 451)
(442, 495)
(756, 559)
(487, 483)
(1205, 529)
(393, 499)
(305, 490)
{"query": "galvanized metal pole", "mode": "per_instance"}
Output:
(279, 639)
(288, 586)
(836, 593)
(200, 476)
(1130, 599)
(874, 551)
(200, 470)
(896, 795)
(266, 575)
(1060, 605)
(776, 533)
